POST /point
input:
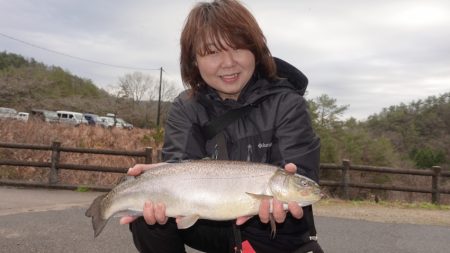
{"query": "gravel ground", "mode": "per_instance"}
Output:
(388, 212)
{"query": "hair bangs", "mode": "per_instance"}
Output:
(219, 31)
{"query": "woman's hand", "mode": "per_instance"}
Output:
(279, 213)
(153, 212)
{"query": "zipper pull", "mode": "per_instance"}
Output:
(215, 154)
(249, 153)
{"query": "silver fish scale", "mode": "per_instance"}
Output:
(205, 189)
(211, 189)
(213, 169)
(195, 187)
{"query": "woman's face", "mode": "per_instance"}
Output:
(227, 71)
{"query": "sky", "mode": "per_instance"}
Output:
(366, 54)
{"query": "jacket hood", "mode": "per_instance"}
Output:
(295, 77)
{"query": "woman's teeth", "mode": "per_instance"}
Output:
(233, 76)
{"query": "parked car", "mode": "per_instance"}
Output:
(73, 118)
(6, 112)
(110, 120)
(23, 116)
(107, 122)
(45, 115)
(122, 123)
(92, 119)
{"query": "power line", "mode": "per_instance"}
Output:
(75, 57)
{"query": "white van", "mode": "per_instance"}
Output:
(73, 118)
(23, 116)
(44, 115)
(6, 112)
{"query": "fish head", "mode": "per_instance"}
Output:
(288, 187)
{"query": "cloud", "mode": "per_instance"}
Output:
(368, 54)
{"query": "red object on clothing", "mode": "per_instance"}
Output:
(247, 248)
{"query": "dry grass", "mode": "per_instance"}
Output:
(35, 132)
(137, 139)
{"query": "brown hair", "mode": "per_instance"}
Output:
(230, 21)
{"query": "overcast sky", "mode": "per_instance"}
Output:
(366, 54)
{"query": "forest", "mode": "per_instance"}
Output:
(412, 134)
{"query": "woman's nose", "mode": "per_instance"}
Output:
(227, 58)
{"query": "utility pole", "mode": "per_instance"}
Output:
(159, 97)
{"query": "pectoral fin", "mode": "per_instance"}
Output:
(273, 226)
(187, 221)
(259, 196)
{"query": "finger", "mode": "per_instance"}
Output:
(160, 213)
(149, 213)
(290, 167)
(264, 210)
(279, 214)
(295, 210)
(127, 219)
(139, 168)
(242, 220)
(135, 170)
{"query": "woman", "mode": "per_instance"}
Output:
(227, 66)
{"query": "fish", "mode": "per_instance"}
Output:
(203, 189)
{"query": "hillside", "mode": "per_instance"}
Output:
(404, 135)
(26, 84)
(419, 130)
(414, 135)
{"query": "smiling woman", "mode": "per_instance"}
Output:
(229, 70)
(226, 70)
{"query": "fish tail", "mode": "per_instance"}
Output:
(95, 211)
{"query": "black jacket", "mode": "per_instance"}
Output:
(276, 130)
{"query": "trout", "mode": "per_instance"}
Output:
(203, 189)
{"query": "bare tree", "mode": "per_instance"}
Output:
(137, 97)
(136, 85)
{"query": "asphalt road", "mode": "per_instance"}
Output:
(50, 221)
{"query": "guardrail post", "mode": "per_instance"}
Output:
(53, 176)
(148, 155)
(436, 185)
(345, 178)
(159, 155)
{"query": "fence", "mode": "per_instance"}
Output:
(435, 173)
(54, 165)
